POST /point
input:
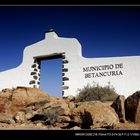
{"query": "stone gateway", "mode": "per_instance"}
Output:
(77, 71)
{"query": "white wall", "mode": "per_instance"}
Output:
(125, 82)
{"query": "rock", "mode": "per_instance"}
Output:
(61, 125)
(94, 114)
(118, 105)
(29, 111)
(58, 102)
(69, 98)
(132, 107)
(55, 112)
(3, 104)
(128, 126)
(52, 114)
(137, 118)
(40, 104)
(29, 115)
(22, 96)
(39, 125)
(49, 116)
(20, 117)
(32, 108)
(75, 128)
(7, 93)
(13, 100)
(71, 105)
(4, 125)
(64, 118)
(6, 119)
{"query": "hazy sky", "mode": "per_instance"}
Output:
(103, 31)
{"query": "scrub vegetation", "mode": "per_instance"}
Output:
(97, 92)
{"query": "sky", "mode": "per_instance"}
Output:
(103, 31)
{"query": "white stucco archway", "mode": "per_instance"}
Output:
(78, 71)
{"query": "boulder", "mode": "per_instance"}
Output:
(75, 128)
(71, 106)
(52, 114)
(57, 102)
(20, 117)
(3, 104)
(23, 96)
(132, 107)
(41, 103)
(13, 100)
(55, 112)
(6, 93)
(137, 117)
(69, 98)
(94, 114)
(6, 119)
(118, 105)
(32, 108)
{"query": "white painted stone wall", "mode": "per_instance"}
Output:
(77, 70)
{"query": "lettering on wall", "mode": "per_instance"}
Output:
(103, 70)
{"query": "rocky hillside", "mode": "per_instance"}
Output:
(31, 108)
